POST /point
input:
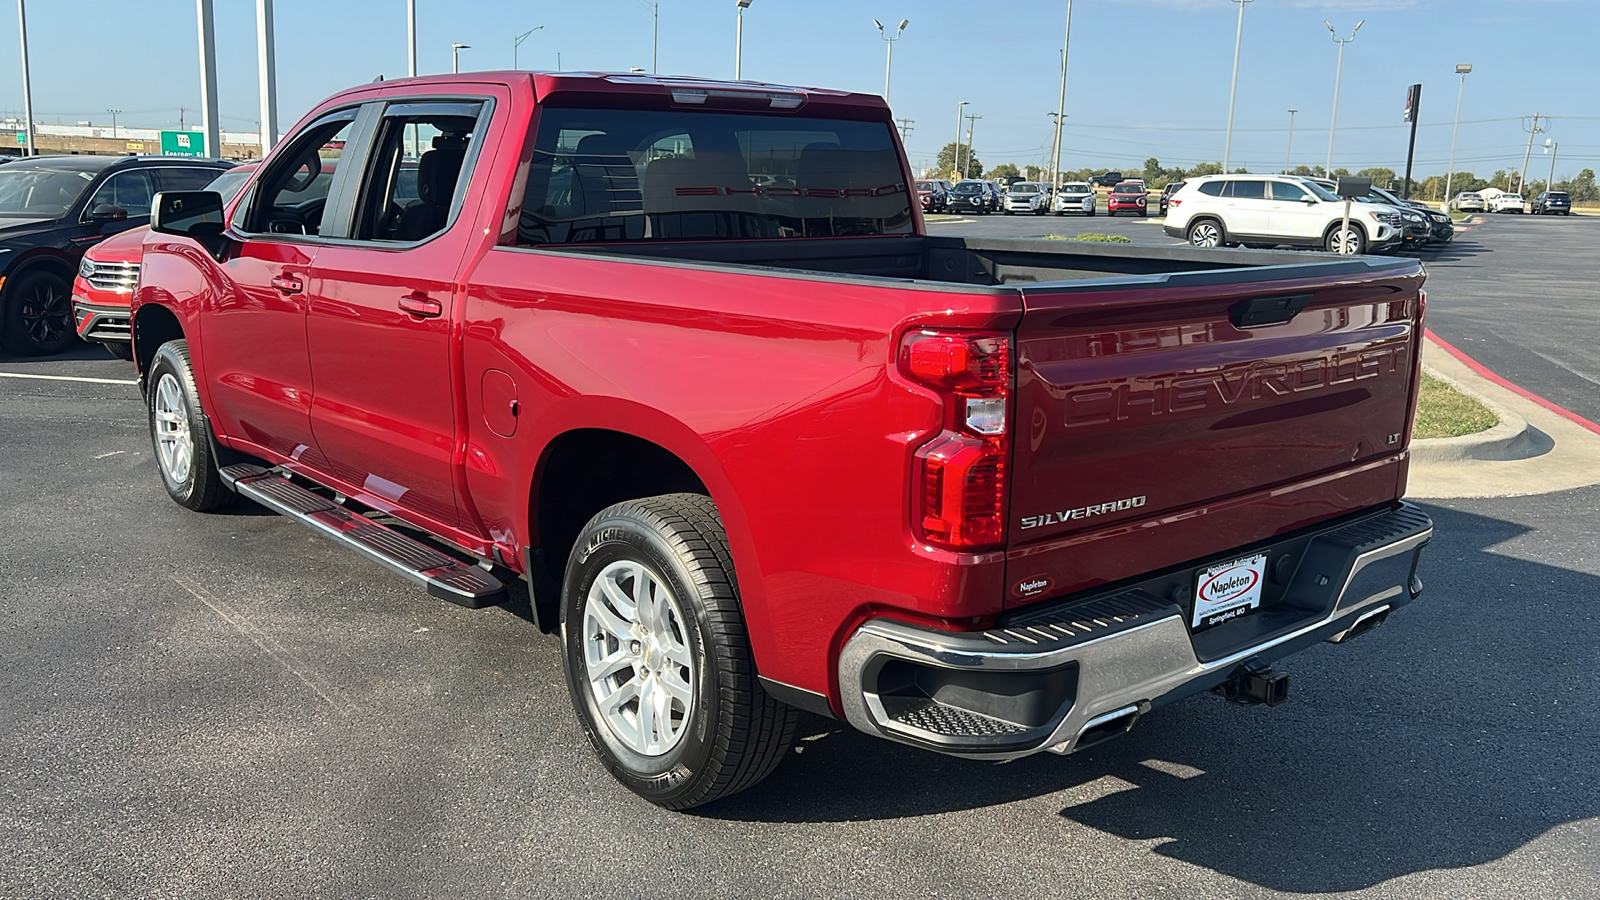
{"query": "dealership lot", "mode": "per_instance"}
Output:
(228, 705)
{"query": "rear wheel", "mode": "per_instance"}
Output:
(657, 659)
(1205, 233)
(37, 315)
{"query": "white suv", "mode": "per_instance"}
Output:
(1269, 210)
(1026, 197)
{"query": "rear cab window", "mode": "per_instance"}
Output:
(603, 175)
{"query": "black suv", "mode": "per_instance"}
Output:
(52, 208)
(1108, 179)
(1552, 203)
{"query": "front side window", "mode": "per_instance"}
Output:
(1283, 190)
(292, 195)
(415, 179)
(130, 191)
(628, 175)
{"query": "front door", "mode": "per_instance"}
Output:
(382, 313)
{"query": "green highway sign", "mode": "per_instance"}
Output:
(183, 143)
(22, 137)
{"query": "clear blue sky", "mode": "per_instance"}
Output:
(1147, 77)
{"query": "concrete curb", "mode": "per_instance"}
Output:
(1511, 438)
(1567, 454)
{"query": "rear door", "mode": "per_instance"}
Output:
(1154, 409)
(1248, 209)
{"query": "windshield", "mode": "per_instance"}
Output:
(1128, 189)
(633, 174)
(925, 186)
(40, 193)
(1024, 187)
(969, 187)
(1075, 187)
(228, 184)
(1321, 192)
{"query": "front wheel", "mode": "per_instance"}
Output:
(185, 453)
(657, 659)
(1091, 213)
(36, 319)
(1354, 241)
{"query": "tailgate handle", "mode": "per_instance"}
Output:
(1267, 310)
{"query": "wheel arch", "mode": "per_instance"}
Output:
(153, 325)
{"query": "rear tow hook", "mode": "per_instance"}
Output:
(1253, 683)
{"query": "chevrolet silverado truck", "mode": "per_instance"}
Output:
(681, 355)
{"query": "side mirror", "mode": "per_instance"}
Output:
(105, 212)
(1310, 201)
(197, 215)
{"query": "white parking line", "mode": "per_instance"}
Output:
(69, 378)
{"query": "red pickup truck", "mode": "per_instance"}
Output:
(680, 354)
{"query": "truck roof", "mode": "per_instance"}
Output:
(675, 91)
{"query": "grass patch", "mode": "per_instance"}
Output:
(1443, 411)
(1090, 236)
(1458, 215)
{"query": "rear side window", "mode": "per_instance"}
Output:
(1213, 188)
(634, 175)
(1248, 190)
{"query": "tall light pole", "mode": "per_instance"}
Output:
(738, 42)
(411, 38)
(517, 42)
(1288, 153)
(1327, 170)
(1461, 69)
(27, 91)
(655, 38)
(114, 113)
(959, 117)
(455, 56)
(266, 55)
(1551, 147)
(209, 118)
(1233, 89)
(972, 124)
(1522, 177)
(888, 60)
(1061, 103)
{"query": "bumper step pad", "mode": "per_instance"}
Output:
(445, 577)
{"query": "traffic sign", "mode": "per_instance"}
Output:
(183, 143)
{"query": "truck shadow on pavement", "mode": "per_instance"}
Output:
(1450, 737)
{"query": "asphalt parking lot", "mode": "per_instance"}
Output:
(229, 706)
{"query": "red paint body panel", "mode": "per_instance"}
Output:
(780, 390)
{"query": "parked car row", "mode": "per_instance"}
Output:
(1285, 210)
(1547, 203)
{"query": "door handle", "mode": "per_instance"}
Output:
(421, 306)
(287, 284)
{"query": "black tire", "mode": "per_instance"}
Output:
(1206, 233)
(37, 316)
(732, 734)
(119, 349)
(1091, 213)
(177, 421)
(1330, 240)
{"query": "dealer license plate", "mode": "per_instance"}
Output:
(1226, 591)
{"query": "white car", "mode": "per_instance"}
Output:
(1026, 197)
(1468, 202)
(1075, 197)
(1506, 203)
(1269, 210)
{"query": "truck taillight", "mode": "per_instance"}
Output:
(960, 477)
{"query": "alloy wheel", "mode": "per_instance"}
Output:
(639, 667)
(174, 439)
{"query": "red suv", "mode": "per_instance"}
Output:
(1128, 196)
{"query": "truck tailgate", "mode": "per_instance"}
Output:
(1163, 420)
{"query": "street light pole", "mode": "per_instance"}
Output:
(1327, 170)
(738, 42)
(959, 117)
(209, 118)
(1522, 177)
(266, 55)
(888, 60)
(1061, 103)
(1233, 89)
(455, 56)
(27, 90)
(972, 125)
(517, 42)
(655, 37)
(1288, 153)
(411, 38)
(1461, 69)
(1551, 147)
(114, 114)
